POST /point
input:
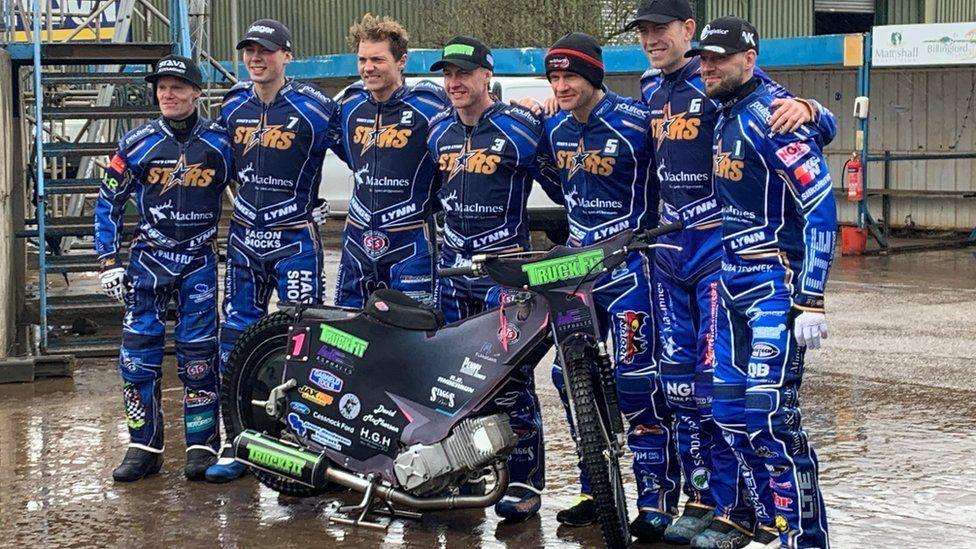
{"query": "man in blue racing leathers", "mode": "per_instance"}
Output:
(281, 130)
(686, 281)
(177, 167)
(778, 233)
(600, 147)
(486, 154)
(387, 241)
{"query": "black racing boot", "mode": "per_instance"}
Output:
(649, 526)
(137, 464)
(582, 513)
(197, 461)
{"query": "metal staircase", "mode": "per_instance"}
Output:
(73, 169)
(78, 98)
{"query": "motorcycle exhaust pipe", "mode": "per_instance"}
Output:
(280, 458)
(399, 497)
(285, 460)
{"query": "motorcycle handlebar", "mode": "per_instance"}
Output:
(652, 234)
(456, 271)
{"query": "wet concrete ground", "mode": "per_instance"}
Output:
(889, 405)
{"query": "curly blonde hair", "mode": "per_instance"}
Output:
(379, 29)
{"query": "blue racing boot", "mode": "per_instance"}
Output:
(649, 526)
(518, 504)
(692, 522)
(226, 469)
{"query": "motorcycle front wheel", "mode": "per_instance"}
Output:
(596, 451)
(255, 366)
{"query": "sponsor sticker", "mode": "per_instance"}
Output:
(135, 410)
(325, 380)
(315, 396)
(343, 341)
(193, 398)
(562, 268)
(764, 350)
(349, 406)
(118, 164)
(196, 423)
(700, 477)
(197, 369)
(792, 153)
(375, 243)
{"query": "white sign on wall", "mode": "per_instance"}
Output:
(932, 44)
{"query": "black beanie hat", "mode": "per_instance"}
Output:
(577, 52)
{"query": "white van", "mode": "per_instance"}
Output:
(544, 214)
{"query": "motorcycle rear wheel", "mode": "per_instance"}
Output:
(254, 367)
(598, 459)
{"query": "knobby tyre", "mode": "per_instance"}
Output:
(254, 367)
(596, 454)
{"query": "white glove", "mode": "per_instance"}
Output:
(809, 328)
(321, 213)
(113, 283)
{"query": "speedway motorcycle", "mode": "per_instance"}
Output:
(389, 401)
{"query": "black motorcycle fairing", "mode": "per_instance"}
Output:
(398, 309)
(365, 388)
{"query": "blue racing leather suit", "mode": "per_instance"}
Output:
(778, 231)
(486, 173)
(604, 172)
(387, 241)
(686, 291)
(177, 189)
(273, 243)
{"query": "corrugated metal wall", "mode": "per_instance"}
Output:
(772, 18)
(917, 111)
(954, 11)
(319, 27)
(904, 12)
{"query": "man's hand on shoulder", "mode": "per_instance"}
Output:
(789, 114)
(548, 107)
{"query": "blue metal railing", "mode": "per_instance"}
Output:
(39, 147)
(775, 53)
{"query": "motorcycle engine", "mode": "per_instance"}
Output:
(474, 443)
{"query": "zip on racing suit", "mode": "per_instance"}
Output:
(177, 188)
(604, 170)
(778, 231)
(486, 174)
(387, 241)
(686, 284)
(273, 243)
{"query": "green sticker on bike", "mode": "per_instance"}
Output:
(343, 341)
(562, 268)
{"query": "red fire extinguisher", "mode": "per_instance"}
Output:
(854, 173)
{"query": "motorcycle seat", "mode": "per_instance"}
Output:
(396, 308)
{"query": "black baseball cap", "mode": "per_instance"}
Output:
(177, 66)
(467, 53)
(725, 36)
(270, 34)
(661, 12)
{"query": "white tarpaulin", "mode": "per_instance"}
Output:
(931, 44)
